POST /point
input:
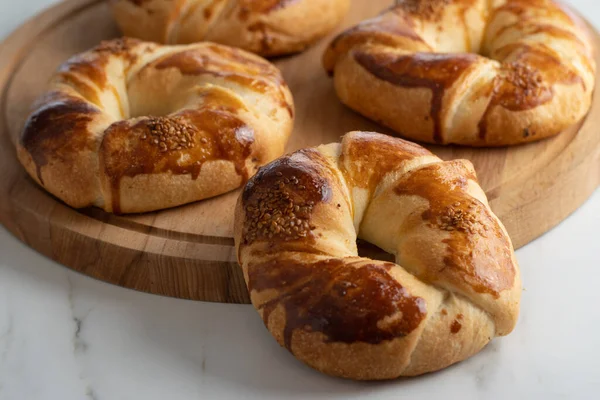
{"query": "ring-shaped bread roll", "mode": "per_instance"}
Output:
(414, 69)
(265, 27)
(131, 126)
(455, 286)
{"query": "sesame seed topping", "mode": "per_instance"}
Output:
(280, 200)
(523, 76)
(170, 134)
(429, 9)
(462, 220)
(277, 211)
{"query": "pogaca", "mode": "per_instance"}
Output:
(414, 69)
(265, 27)
(131, 126)
(455, 285)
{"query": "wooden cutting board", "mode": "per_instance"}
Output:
(188, 252)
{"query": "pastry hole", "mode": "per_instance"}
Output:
(369, 250)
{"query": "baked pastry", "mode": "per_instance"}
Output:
(414, 69)
(132, 127)
(455, 286)
(266, 27)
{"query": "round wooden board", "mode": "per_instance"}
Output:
(188, 252)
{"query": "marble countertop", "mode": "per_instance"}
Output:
(65, 336)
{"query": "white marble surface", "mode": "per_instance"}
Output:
(65, 336)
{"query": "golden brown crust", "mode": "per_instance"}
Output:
(365, 162)
(279, 204)
(538, 79)
(265, 27)
(133, 127)
(456, 283)
(467, 220)
(341, 298)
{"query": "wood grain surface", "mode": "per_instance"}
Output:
(187, 251)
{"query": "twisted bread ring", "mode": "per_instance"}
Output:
(132, 127)
(456, 284)
(412, 69)
(266, 27)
